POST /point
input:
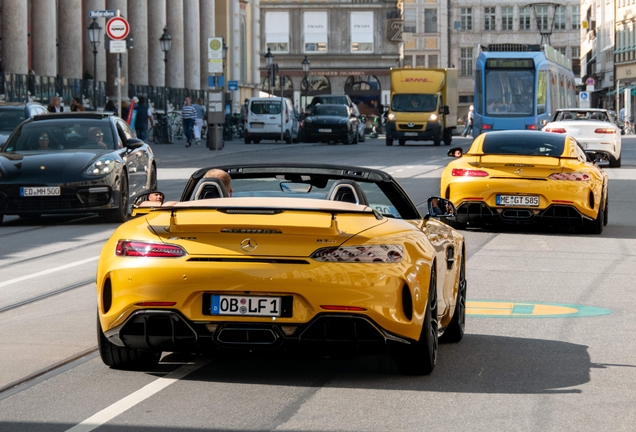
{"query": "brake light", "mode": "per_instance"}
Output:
(360, 254)
(531, 127)
(574, 176)
(148, 250)
(604, 131)
(486, 127)
(342, 308)
(151, 304)
(458, 172)
(555, 130)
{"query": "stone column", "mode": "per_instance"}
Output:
(156, 23)
(111, 59)
(15, 46)
(138, 56)
(69, 38)
(234, 51)
(175, 55)
(192, 44)
(88, 47)
(43, 49)
(256, 45)
(206, 11)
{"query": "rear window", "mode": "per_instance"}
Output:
(331, 100)
(531, 144)
(265, 107)
(331, 110)
(10, 118)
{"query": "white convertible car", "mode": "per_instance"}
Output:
(595, 129)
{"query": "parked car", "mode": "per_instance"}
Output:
(14, 113)
(526, 177)
(331, 123)
(594, 128)
(326, 258)
(76, 162)
(267, 116)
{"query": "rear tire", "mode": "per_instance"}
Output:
(455, 330)
(596, 226)
(120, 214)
(437, 140)
(448, 136)
(420, 358)
(124, 358)
(615, 163)
(248, 140)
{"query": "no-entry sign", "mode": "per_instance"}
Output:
(117, 28)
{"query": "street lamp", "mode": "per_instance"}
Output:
(94, 32)
(165, 41)
(269, 62)
(306, 66)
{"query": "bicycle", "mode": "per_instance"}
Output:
(177, 124)
(162, 130)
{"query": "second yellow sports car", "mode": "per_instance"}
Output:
(523, 177)
(323, 257)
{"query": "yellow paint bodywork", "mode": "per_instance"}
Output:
(531, 180)
(376, 287)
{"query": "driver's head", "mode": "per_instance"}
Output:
(221, 175)
(96, 134)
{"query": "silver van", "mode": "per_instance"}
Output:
(266, 117)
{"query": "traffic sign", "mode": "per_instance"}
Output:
(117, 28)
(232, 85)
(117, 46)
(101, 13)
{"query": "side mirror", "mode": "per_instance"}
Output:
(455, 152)
(440, 208)
(144, 203)
(446, 110)
(134, 143)
(544, 122)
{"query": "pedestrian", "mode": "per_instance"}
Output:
(198, 122)
(125, 108)
(188, 115)
(54, 106)
(77, 105)
(143, 119)
(110, 107)
(469, 121)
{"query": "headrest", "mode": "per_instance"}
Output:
(208, 188)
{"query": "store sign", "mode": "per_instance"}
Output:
(394, 30)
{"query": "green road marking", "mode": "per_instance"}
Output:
(512, 309)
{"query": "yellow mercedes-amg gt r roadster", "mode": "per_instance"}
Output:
(523, 177)
(324, 258)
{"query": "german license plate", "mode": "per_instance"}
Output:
(518, 200)
(39, 191)
(324, 130)
(410, 133)
(258, 125)
(246, 305)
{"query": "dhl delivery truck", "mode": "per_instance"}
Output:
(423, 105)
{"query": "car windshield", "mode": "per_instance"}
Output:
(11, 118)
(331, 110)
(265, 107)
(341, 100)
(414, 103)
(535, 144)
(582, 115)
(62, 134)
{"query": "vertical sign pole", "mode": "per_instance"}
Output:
(283, 105)
(119, 113)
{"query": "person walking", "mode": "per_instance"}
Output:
(198, 122)
(188, 115)
(54, 106)
(77, 105)
(143, 119)
(469, 122)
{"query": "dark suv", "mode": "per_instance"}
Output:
(14, 113)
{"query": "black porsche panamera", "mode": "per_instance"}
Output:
(331, 123)
(79, 162)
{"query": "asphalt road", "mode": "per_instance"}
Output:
(572, 368)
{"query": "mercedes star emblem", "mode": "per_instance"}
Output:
(248, 245)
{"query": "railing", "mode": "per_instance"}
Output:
(22, 88)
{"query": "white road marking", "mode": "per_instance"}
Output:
(135, 398)
(49, 271)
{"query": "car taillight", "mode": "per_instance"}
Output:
(457, 172)
(555, 130)
(573, 176)
(360, 254)
(604, 131)
(486, 127)
(148, 250)
(531, 127)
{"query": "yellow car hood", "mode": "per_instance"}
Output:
(288, 233)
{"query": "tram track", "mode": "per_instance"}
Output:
(54, 253)
(46, 295)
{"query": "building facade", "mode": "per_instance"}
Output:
(350, 44)
(625, 55)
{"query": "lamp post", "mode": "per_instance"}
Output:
(94, 32)
(165, 40)
(269, 63)
(306, 66)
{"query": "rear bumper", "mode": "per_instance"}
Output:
(428, 133)
(169, 330)
(558, 216)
